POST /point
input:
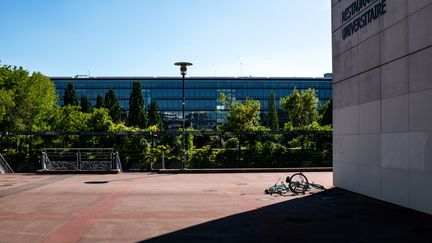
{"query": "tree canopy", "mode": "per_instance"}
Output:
(137, 116)
(28, 103)
(301, 108)
(85, 104)
(326, 113)
(272, 116)
(100, 102)
(70, 97)
(154, 115)
(241, 117)
(100, 120)
(70, 119)
(113, 105)
(25, 100)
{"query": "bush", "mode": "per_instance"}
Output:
(232, 143)
(202, 158)
(227, 158)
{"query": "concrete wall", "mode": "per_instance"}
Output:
(383, 104)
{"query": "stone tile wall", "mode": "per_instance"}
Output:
(383, 104)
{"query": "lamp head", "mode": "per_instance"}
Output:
(183, 66)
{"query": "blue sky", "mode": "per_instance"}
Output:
(145, 37)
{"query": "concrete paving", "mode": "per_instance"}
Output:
(141, 207)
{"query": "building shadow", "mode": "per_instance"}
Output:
(334, 215)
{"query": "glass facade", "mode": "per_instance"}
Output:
(202, 106)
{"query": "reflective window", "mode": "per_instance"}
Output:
(202, 102)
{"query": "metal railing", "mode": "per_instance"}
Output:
(4, 166)
(92, 159)
(142, 151)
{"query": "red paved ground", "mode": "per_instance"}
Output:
(194, 208)
(130, 207)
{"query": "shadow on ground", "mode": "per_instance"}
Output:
(334, 215)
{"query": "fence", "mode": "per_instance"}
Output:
(147, 150)
(92, 159)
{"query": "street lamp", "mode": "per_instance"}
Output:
(183, 69)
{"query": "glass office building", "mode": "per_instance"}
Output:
(203, 108)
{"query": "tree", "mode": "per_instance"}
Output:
(154, 114)
(85, 104)
(70, 119)
(25, 100)
(241, 117)
(100, 120)
(6, 105)
(301, 108)
(302, 115)
(272, 116)
(113, 105)
(100, 102)
(326, 113)
(70, 97)
(137, 115)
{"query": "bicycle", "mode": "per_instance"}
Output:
(277, 188)
(297, 183)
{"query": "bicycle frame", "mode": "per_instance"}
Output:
(278, 188)
(297, 183)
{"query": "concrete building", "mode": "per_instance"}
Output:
(382, 90)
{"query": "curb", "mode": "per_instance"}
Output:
(243, 170)
(63, 172)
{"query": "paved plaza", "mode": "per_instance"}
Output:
(146, 207)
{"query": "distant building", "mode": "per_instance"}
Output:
(203, 108)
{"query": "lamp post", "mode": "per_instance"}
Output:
(183, 69)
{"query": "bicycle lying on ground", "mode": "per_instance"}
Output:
(297, 183)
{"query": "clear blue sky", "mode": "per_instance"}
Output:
(145, 37)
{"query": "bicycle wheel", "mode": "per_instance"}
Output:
(298, 183)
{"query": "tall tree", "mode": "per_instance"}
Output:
(326, 113)
(272, 116)
(154, 114)
(100, 102)
(137, 115)
(70, 97)
(113, 105)
(85, 104)
(301, 108)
